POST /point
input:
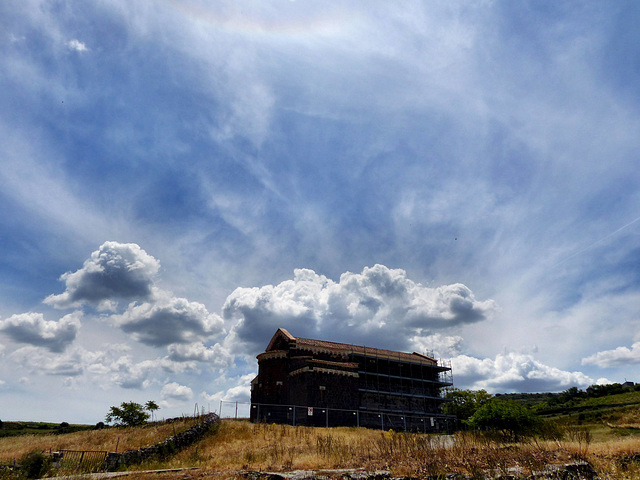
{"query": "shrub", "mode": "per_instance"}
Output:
(464, 403)
(35, 464)
(508, 418)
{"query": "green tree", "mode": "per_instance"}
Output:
(506, 417)
(464, 403)
(128, 413)
(152, 407)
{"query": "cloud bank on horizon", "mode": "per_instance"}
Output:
(179, 180)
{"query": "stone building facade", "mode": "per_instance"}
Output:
(302, 381)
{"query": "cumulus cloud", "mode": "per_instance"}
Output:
(169, 320)
(615, 358)
(380, 306)
(112, 365)
(175, 391)
(116, 271)
(437, 345)
(122, 371)
(217, 355)
(77, 45)
(33, 329)
(513, 372)
(36, 360)
(127, 374)
(240, 392)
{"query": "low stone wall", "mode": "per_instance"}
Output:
(163, 449)
(570, 471)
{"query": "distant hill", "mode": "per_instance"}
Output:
(13, 429)
(613, 404)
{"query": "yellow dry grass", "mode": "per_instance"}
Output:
(244, 446)
(240, 445)
(104, 440)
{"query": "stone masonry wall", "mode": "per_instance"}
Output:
(163, 449)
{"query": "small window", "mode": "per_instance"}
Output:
(322, 387)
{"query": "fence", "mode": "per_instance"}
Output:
(298, 415)
(85, 461)
(234, 409)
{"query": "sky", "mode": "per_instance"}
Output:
(179, 179)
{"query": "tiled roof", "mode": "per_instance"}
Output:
(347, 348)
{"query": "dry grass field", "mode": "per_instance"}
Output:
(240, 445)
(106, 439)
(243, 446)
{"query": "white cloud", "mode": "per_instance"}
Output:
(437, 345)
(216, 356)
(33, 329)
(240, 392)
(380, 306)
(127, 374)
(70, 382)
(69, 364)
(115, 271)
(617, 357)
(169, 320)
(77, 45)
(513, 372)
(103, 367)
(175, 391)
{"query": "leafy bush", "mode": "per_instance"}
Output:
(35, 464)
(507, 418)
(464, 403)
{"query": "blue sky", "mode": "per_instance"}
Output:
(179, 179)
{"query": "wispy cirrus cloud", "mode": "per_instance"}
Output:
(457, 147)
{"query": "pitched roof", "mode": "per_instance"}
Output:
(416, 357)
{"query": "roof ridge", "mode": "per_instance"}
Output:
(350, 346)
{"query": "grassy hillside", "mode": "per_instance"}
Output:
(621, 408)
(240, 445)
(600, 426)
(106, 439)
(13, 429)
